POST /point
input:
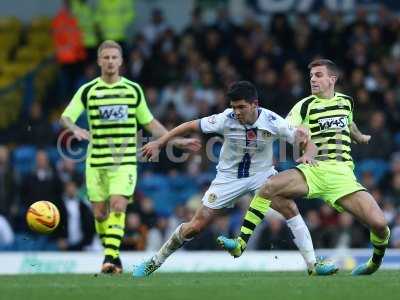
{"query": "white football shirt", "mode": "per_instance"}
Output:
(247, 149)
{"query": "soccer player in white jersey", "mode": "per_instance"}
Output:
(245, 163)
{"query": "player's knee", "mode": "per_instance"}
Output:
(118, 207)
(268, 190)
(379, 225)
(100, 214)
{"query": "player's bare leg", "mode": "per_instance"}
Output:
(183, 233)
(364, 207)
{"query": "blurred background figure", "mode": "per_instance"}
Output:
(113, 19)
(76, 230)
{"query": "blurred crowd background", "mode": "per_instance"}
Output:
(184, 73)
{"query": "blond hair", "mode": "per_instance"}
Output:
(109, 44)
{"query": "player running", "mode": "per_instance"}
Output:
(245, 163)
(329, 117)
(115, 107)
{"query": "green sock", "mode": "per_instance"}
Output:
(380, 246)
(254, 215)
(101, 230)
(114, 233)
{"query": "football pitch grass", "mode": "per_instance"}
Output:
(205, 286)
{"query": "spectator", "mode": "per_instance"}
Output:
(84, 13)
(8, 188)
(41, 184)
(156, 27)
(70, 51)
(6, 234)
(76, 230)
(395, 238)
(36, 129)
(113, 19)
(275, 235)
(67, 171)
(135, 233)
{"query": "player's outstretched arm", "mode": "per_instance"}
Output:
(357, 136)
(151, 150)
(79, 133)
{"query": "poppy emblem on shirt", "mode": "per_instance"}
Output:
(251, 135)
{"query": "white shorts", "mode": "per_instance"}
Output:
(225, 190)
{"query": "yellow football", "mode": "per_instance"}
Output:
(43, 217)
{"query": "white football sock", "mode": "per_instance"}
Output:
(174, 242)
(302, 239)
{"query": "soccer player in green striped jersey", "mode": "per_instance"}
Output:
(115, 107)
(328, 115)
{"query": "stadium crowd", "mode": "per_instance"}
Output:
(184, 75)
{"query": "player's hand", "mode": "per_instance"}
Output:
(188, 144)
(302, 135)
(81, 134)
(364, 139)
(308, 160)
(151, 150)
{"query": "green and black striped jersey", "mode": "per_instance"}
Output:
(114, 111)
(328, 121)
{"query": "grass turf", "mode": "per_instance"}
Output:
(204, 286)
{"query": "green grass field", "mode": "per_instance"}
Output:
(205, 286)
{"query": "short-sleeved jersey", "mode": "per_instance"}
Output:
(328, 121)
(247, 149)
(114, 111)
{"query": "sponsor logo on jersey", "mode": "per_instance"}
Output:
(113, 112)
(332, 123)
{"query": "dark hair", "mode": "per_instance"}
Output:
(330, 65)
(242, 90)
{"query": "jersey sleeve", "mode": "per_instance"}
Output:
(143, 114)
(294, 117)
(75, 107)
(214, 123)
(282, 128)
(351, 112)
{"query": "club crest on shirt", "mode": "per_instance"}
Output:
(212, 119)
(265, 134)
(99, 94)
(212, 198)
